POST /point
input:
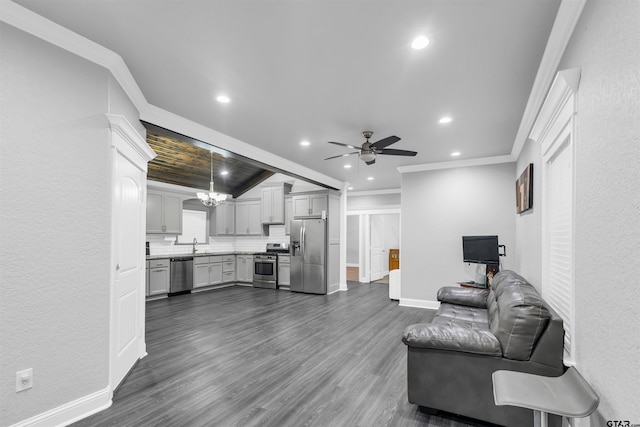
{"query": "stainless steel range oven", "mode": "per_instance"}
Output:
(265, 266)
(265, 270)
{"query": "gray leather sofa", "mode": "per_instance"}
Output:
(476, 332)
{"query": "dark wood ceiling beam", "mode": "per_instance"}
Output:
(185, 161)
(252, 182)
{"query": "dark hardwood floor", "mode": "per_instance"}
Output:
(243, 356)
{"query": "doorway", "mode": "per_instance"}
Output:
(370, 237)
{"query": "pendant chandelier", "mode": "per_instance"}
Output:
(211, 198)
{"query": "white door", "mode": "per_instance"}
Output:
(130, 155)
(128, 286)
(377, 247)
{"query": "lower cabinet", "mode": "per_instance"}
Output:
(207, 270)
(228, 268)
(244, 268)
(158, 277)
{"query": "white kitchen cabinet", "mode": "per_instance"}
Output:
(207, 271)
(244, 268)
(284, 271)
(223, 220)
(164, 212)
(158, 283)
(273, 203)
(228, 268)
(248, 218)
(288, 214)
(309, 205)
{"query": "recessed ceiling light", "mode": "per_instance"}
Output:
(370, 178)
(455, 153)
(224, 172)
(349, 188)
(223, 98)
(445, 120)
(420, 42)
(347, 166)
(305, 143)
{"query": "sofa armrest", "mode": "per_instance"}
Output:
(471, 297)
(450, 337)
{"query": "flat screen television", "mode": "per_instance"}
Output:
(480, 249)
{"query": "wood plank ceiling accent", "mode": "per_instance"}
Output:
(180, 161)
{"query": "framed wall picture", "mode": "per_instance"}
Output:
(524, 190)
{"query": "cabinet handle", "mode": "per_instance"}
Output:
(158, 271)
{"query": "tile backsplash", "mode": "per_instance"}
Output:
(165, 245)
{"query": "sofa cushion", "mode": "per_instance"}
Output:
(520, 318)
(461, 312)
(452, 336)
(471, 297)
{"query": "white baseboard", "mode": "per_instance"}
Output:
(71, 412)
(353, 265)
(419, 303)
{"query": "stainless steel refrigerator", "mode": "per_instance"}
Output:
(308, 249)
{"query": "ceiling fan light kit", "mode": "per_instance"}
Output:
(367, 157)
(211, 198)
(368, 151)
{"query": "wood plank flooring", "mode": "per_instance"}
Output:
(243, 356)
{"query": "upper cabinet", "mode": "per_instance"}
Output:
(248, 214)
(309, 205)
(273, 203)
(164, 212)
(223, 220)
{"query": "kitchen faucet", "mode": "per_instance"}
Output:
(195, 245)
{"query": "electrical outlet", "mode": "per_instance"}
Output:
(24, 380)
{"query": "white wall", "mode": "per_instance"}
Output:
(528, 250)
(441, 206)
(54, 222)
(606, 46)
(372, 201)
(391, 235)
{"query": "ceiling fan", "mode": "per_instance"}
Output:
(368, 151)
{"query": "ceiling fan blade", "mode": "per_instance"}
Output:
(342, 155)
(371, 162)
(384, 142)
(344, 145)
(396, 152)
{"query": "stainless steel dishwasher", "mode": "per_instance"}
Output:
(181, 275)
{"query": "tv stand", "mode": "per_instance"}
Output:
(472, 284)
(491, 270)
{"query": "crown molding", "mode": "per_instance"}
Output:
(481, 161)
(374, 192)
(566, 20)
(564, 86)
(34, 24)
(131, 143)
(38, 26)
